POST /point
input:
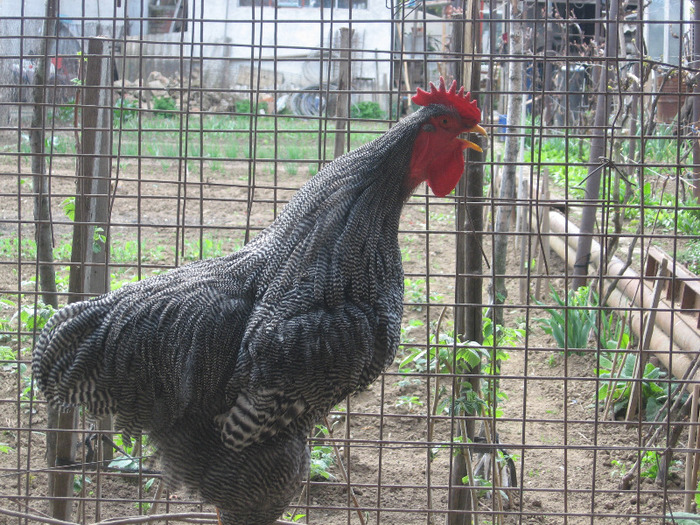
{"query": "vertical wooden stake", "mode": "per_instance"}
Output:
(95, 174)
(523, 228)
(468, 268)
(543, 248)
(341, 111)
(691, 458)
(636, 392)
(88, 258)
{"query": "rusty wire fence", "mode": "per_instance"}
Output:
(549, 360)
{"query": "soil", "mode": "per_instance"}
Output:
(569, 461)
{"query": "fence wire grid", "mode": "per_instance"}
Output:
(548, 367)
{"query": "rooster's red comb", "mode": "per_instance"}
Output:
(458, 99)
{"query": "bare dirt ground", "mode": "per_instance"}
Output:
(568, 461)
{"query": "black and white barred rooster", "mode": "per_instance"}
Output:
(228, 363)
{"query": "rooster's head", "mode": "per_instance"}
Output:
(437, 152)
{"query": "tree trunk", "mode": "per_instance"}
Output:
(506, 195)
(598, 143)
(42, 202)
(58, 452)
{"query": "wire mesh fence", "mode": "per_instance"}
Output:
(548, 365)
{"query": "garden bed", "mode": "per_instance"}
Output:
(569, 460)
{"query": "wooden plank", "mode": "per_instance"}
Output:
(683, 286)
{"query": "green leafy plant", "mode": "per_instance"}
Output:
(129, 459)
(620, 468)
(143, 505)
(650, 464)
(293, 516)
(11, 247)
(243, 106)
(68, 205)
(409, 401)
(19, 329)
(124, 110)
(8, 359)
(446, 355)
(571, 324)
(415, 294)
(164, 106)
(65, 112)
(653, 394)
(684, 518)
(614, 332)
(565, 160)
(80, 483)
(690, 256)
(322, 457)
(663, 210)
(366, 110)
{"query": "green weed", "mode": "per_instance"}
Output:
(409, 401)
(293, 516)
(690, 256)
(564, 161)
(124, 110)
(80, 483)
(445, 355)
(12, 248)
(164, 106)
(571, 324)
(654, 395)
(366, 110)
(415, 294)
(129, 459)
(322, 456)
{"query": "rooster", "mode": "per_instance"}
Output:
(228, 363)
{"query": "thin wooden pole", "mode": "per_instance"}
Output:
(341, 111)
(88, 258)
(597, 151)
(692, 459)
(468, 287)
(634, 405)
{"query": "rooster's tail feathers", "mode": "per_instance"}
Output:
(67, 357)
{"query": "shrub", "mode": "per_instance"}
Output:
(366, 110)
(163, 106)
(243, 106)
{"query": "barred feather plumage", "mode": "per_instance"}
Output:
(227, 363)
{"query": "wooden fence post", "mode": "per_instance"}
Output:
(343, 91)
(95, 180)
(88, 272)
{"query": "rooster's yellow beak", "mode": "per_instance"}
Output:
(468, 143)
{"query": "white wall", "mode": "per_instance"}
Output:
(289, 36)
